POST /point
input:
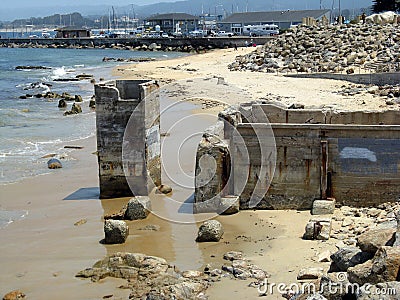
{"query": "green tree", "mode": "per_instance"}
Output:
(385, 5)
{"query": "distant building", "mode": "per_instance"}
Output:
(284, 19)
(174, 22)
(72, 32)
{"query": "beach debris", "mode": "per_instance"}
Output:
(76, 109)
(115, 231)
(54, 164)
(138, 208)
(84, 76)
(241, 268)
(62, 104)
(131, 59)
(318, 228)
(65, 79)
(149, 277)
(32, 68)
(210, 231)
(49, 155)
(80, 222)
(233, 255)
(73, 147)
(150, 227)
(310, 273)
(165, 189)
(14, 295)
(229, 205)
(324, 256)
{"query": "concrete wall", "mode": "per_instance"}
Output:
(115, 103)
(372, 78)
(351, 156)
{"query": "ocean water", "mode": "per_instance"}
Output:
(34, 127)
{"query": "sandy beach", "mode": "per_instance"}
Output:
(41, 254)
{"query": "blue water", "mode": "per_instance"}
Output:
(32, 128)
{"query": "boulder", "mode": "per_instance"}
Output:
(153, 46)
(323, 207)
(92, 102)
(347, 257)
(318, 228)
(372, 239)
(210, 231)
(138, 208)
(116, 232)
(385, 266)
(165, 189)
(76, 109)
(54, 164)
(62, 103)
(14, 295)
(333, 286)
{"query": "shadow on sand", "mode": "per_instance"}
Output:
(92, 193)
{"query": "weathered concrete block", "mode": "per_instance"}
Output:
(115, 231)
(128, 148)
(138, 208)
(229, 205)
(318, 228)
(323, 207)
(209, 206)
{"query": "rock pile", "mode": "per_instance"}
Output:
(367, 257)
(327, 49)
(149, 277)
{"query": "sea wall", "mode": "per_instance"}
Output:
(301, 155)
(177, 44)
(124, 121)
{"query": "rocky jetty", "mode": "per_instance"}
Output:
(327, 49)
(129, 45)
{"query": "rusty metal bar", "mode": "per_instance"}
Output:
(324, 169)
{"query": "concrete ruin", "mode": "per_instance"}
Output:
(353, 157)
(128, 138)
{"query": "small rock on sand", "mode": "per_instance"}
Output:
(14, 295)
(54, 164)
